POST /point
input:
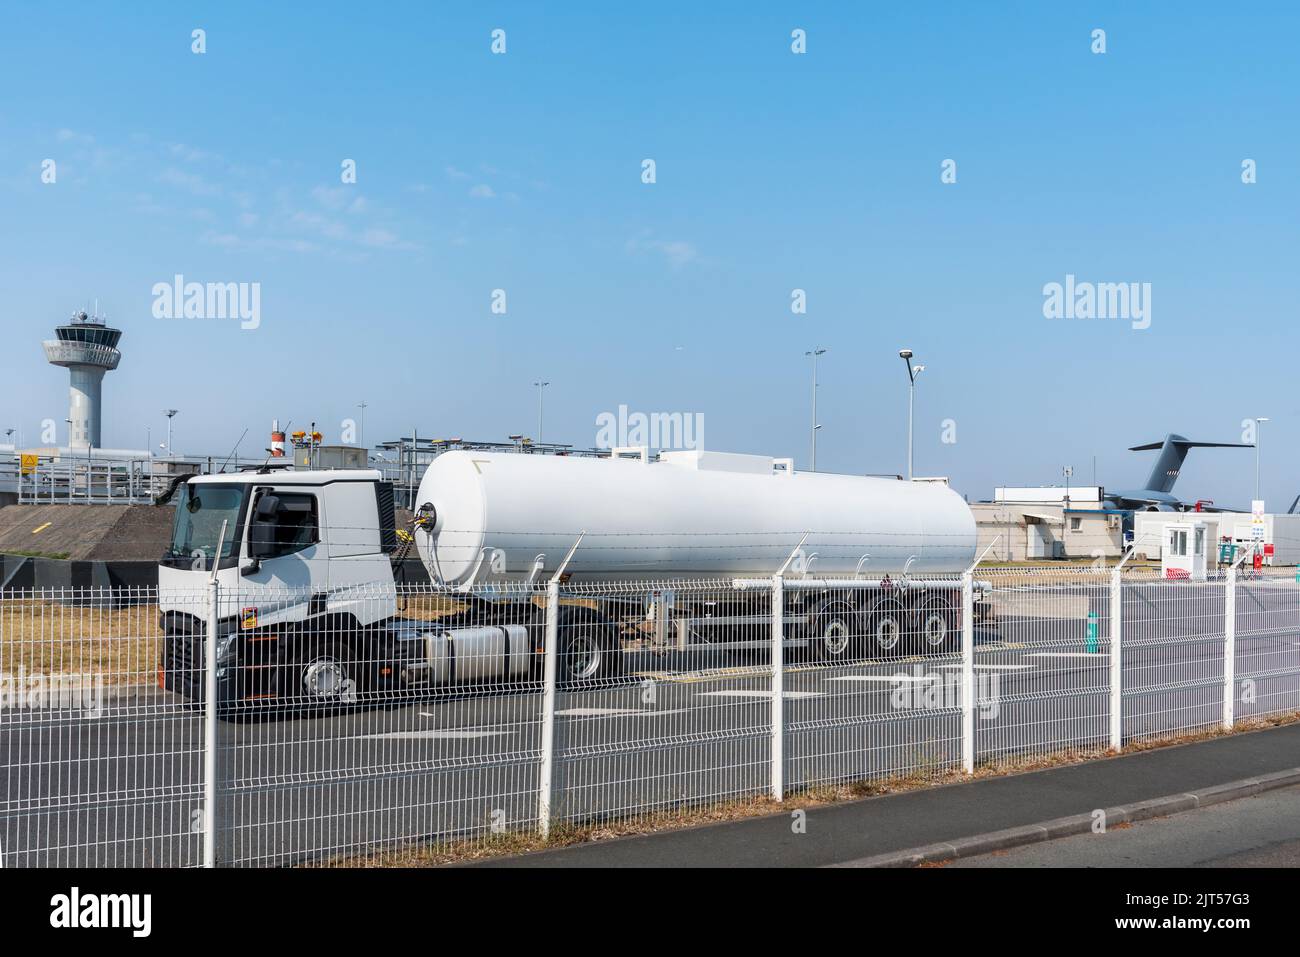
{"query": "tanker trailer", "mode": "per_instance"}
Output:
(505, 516)
(873, 562)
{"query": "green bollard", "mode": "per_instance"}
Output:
(1092, 632)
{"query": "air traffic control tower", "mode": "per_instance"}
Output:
(87, 347)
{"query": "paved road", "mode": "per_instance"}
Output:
(1260, 831)
(852, 831)
(125, 787)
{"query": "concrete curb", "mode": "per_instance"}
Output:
(1078, 823)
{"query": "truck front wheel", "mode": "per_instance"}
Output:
(323, 675)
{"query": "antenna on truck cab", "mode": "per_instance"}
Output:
(232, 452)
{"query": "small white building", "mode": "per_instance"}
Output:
(1183, 556)
(1279, 534)
(1021, 532)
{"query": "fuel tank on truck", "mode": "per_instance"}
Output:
(500, 515)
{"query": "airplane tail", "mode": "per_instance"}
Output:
(1173, 452)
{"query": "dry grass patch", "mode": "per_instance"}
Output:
(39, 636)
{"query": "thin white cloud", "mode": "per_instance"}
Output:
(72, 136)
(340, 198)
(273, 243)
(193, 182)
(677, 253)
(191, 154)
(379, 237)
(482, 191)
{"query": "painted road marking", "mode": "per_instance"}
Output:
(599, 712)
(894, 678)
(694, 677)
(1068, 654)
(989, 667)
(764, 694)
(751, 671)
(41, 528)
(432, 735)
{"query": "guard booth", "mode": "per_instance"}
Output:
(1183, 555)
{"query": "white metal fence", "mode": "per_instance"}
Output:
(560, 706)
(74, 479)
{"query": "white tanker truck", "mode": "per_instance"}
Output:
(308, 602)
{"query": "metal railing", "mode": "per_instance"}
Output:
(76, 480)
(427, 723)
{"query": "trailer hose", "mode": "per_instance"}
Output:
(424, 516)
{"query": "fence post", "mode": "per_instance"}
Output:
(778, 688)
(968, 671)
(210, 719)
(1229, 647)
(1116, 659)
(550, 651)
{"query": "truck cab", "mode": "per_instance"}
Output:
(301, 549)
(296, 544)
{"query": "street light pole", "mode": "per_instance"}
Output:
(362, 406)
(814, 354)
(541, 404)
(169, 413)
(912, 373)
(1258, 421)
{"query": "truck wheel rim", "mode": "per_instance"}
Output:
(936, 629)
(584, 657)
(887, 634)
(835, 637)
(325, 678)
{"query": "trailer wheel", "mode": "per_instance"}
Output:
(888, 628)
(835, 632)
(938, 631)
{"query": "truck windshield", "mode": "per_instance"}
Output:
(199, 514)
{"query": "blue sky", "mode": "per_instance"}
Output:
(775, 171)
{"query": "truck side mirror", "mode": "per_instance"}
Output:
(268, 507)
(261, 543)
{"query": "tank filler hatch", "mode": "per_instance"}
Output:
(703, 461)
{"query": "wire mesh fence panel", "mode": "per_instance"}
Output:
(1173, 641)
(98, 767)
(1042, 663)
(665, 701)
(1267, 644)
(390, 720)
(417, 722)
(873, 680)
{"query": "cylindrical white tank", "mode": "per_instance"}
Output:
(496, 513)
